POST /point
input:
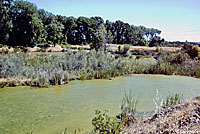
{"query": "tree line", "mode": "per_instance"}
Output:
(22, 23)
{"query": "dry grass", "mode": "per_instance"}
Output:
(58, 48)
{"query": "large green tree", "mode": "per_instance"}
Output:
(27, 29)
(21, 23)
(5, 20)
(99, 36)
(156, 41)
(54, 31)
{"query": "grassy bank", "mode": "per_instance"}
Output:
(46, 69)
(49, 69)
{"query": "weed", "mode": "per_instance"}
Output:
(103, 124)
(172, 100)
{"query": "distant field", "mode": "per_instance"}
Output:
(132, 48)
(58, 48)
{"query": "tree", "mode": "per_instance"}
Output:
(54, 31)
(27, 27)
(21, 23)
(98, 37)
(5, 20)
(83, 30)
(70, 29)
(109, 37)
(143, 42)
(154, 33)
(123, 33)
(156, 41)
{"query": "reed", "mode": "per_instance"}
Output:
(46, 69)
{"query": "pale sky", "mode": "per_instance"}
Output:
(179, 20)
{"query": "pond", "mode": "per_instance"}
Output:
(51, 110)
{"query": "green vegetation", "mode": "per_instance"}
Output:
(56, 69)
(128, 108)
(192, 50)
(105, 124)
(171, 100)
(168, 63)
(23, 24)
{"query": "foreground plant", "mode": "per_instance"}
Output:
(172, 100)
(128, 108)
(103, 124)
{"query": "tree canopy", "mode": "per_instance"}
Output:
(22, 23)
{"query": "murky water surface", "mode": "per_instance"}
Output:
(72, 106)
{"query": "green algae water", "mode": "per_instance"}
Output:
(72, 106)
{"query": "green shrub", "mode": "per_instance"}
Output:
(196, 51)
(149, 56)
(3, 84)
(50, 42)
(192, 51)
(103, 124)
(16, 49)
(126, 48)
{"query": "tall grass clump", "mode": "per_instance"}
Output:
(171, 100)
(158, 101)
(56, 69)
(128, 106)
(162, 103)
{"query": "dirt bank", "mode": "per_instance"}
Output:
(179, 119)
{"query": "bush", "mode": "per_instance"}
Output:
(126, 49)
(195, 51)
(192, 51)
(103, 124)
